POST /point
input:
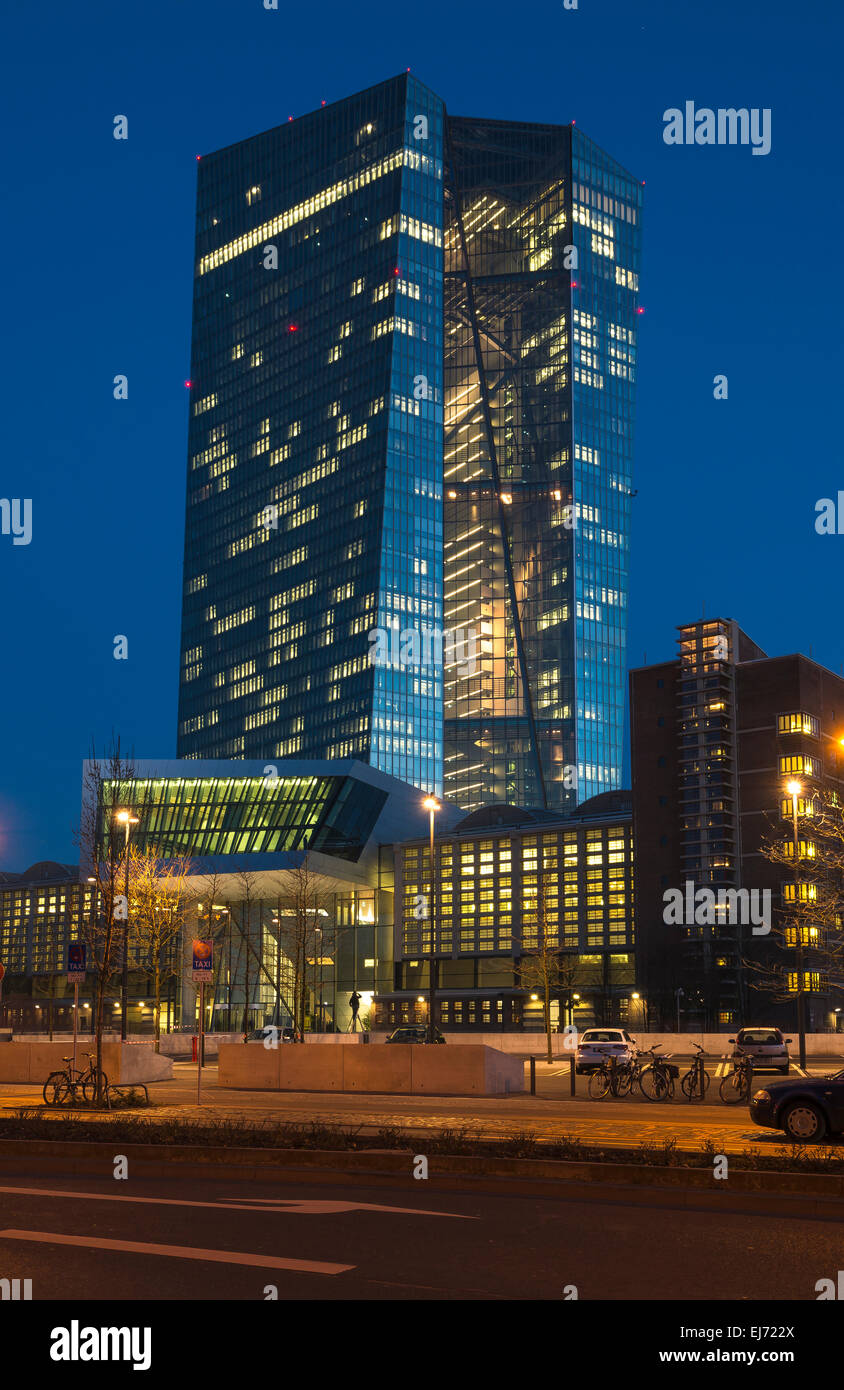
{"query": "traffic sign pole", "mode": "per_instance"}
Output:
(203, 969)
(75, 1020)
(77, 957)
(199, 1042)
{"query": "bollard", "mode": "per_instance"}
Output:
(572, 1082)
(193, 1049)
(533, 1076)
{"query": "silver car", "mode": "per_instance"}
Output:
(766, 1046)
(595, 1044)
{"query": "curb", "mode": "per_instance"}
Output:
(815, 1191)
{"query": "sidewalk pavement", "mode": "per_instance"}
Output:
(611, 1123)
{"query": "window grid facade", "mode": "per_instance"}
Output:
(541, 264)
(412, 380)
(496, 892)
(314, 505)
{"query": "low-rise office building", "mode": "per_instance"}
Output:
(504, 879)
(41, 910)
(287, 876)
(307, 877)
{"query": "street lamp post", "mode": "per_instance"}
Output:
(318, 931)
(637, 998)
(795, 789)
(126, 819)
(431, 805)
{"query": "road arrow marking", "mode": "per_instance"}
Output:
(179, 1252)
(297, 1206)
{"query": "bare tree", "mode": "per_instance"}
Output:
(108, 784)
(547, 968)
(242, 912)
(306, 930)
(814, 919)
(214, 924)
(160, 895)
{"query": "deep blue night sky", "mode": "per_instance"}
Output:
(741, 275)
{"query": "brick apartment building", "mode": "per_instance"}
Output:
(716, 736)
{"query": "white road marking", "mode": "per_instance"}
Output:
(297, 1206)
(179, 1252)
(316, 1207)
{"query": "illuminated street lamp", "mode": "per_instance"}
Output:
(641, 1002)
(794, 789)
(126, 819)
(432, 806)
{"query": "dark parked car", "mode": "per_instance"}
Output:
(767, 1046)
(414, 1033)
(806, 1107)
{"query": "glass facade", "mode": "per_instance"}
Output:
(410, 450)
(38, 916)
(256, 973)
(314, 514)
(498, 893)
(486, 894)
(214, 816)
(606, 227)
(541, 267)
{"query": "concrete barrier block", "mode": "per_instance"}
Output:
(465, 1071)
(249, 1066)
(335, 1038)
(14, 1066)
(48, 1056)
(139, 1062)
(384, 1069)
(310, 1068)
(503, 1075)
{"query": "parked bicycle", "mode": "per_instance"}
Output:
(61, 1087)
(695, 1083)
(735, 1086)
(612, 1076)
(656, 1078)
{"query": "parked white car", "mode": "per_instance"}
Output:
(767, 1046)
(594, 1044)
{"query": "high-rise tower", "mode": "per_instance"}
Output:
(411, 412)
(541, 269)
(314, 509)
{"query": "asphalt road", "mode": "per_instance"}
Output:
(179, 1239)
